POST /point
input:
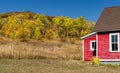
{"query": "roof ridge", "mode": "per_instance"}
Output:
(111, 7)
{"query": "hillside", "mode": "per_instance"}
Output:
(27, 35)
(23, 26)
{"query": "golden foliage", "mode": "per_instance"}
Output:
(23, 26)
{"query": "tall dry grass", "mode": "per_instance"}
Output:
(36, 50)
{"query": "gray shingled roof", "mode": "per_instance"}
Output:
(109, 20)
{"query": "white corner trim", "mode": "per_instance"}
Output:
(83, 50)
(96, 45)
(88, 35)
(109, 59)
(110, 47)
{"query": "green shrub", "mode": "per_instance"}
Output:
(95, 61)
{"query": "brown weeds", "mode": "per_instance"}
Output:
(36, 50)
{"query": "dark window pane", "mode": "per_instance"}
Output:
(114, 47)
(94, 45)
(115, 38)
(112, 37)
(114, 42)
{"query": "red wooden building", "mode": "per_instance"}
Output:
(104, 41)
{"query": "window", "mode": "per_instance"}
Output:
(114, 42)
(93, 45)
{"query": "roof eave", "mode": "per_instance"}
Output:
(88, 35)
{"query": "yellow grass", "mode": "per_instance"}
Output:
(53, 66)
(37, 49)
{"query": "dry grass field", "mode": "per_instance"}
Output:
(47, 57)
(53, 66)
(37, 49)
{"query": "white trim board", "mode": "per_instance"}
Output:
(109, 59)
(97, 45)
(83, 50)
(88, 35)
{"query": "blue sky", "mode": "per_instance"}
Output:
(89, 9)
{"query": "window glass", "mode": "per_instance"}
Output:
(93, 45)
(114, 42)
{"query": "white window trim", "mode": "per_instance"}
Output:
(91, 45)
(110, 42)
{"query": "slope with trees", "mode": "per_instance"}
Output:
(28, 25)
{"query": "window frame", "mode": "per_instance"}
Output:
(91, 45)
(110, 41)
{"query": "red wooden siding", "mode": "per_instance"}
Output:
(88, 54)
(104, 48)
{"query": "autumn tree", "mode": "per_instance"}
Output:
(26, 26)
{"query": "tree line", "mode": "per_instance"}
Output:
(27, 25)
